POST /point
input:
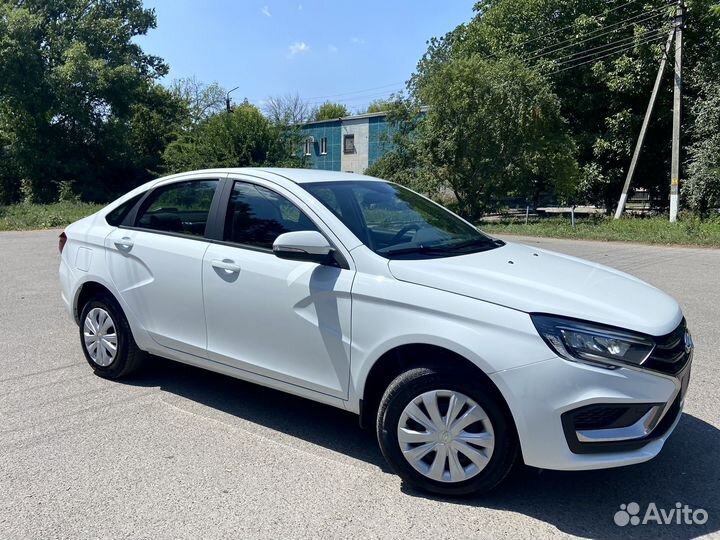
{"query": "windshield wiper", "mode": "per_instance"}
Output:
(415, 249)
(487, 243)
(484, 243)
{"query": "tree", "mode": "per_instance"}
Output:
(202, 100)
(405, 163)
(702, 190)
(602, 94)
(287, 110)
(72, 80)
(379, 105)
(136, 144)
(494, 129)
(242, 138)
(331, 111)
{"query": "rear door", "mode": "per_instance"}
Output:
(155, 260)
(287, 320)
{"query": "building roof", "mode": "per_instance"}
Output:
(344, 118)
(423, 109)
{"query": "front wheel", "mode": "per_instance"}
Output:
(446, 434)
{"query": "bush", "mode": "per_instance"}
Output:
(66, 192)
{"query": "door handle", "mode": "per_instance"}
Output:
(124, 244)
(227, 265)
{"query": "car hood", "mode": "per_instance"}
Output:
(539, 281)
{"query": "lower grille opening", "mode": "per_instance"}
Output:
(618, 427)
(608, 416)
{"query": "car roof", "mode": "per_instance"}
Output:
(299, 176)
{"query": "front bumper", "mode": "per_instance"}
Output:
(547, 399)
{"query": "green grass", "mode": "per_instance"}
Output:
(23, 217)
(689, 231)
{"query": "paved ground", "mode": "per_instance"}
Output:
(182, 453)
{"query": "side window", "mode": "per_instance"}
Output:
(256, 216)
(117, 216)
(179, 208)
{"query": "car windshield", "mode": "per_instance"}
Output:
(397, 223)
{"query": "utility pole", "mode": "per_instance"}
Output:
(643, 129)
(677, 104)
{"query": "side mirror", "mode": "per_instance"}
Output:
(308, 246)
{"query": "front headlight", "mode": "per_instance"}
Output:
(593, 343)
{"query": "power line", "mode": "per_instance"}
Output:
(606, 50)
(598, 52)
(595, 59)
(621, 25)
(601, 48)
(624, 4)
(356, 91)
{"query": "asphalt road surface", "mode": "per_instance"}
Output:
(178, 452)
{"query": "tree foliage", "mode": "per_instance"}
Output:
(330, 111)
(493, 129)
(603, 97)
(703, 186)
(78, 101)
(379, 105)
(242, 138)
(201, 100)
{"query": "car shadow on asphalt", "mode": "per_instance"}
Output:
(313, 422)
(583, 503)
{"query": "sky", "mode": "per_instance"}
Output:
(352, 52)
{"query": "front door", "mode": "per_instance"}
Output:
(286, 320)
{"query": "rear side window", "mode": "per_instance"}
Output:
(180, 208)
(117, 216)
(256, 216)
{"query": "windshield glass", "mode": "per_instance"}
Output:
(396, 223)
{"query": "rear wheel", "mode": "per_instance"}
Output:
(444, 434)
(106, 339)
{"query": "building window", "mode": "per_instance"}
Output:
(323, 146)
(308, 146)
(349, 144)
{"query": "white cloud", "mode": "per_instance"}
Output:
(358, 41)
(299, 7)
(297, 48)
(266, 11)
(332, 48)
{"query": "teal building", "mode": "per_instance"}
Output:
(349, 144)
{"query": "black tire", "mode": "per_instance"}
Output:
(128, 357)
(411, 384)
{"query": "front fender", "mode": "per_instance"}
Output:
(392, 313)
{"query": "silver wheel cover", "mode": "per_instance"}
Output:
(446, 436)
(100, 337)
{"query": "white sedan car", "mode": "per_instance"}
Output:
(467, 353)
